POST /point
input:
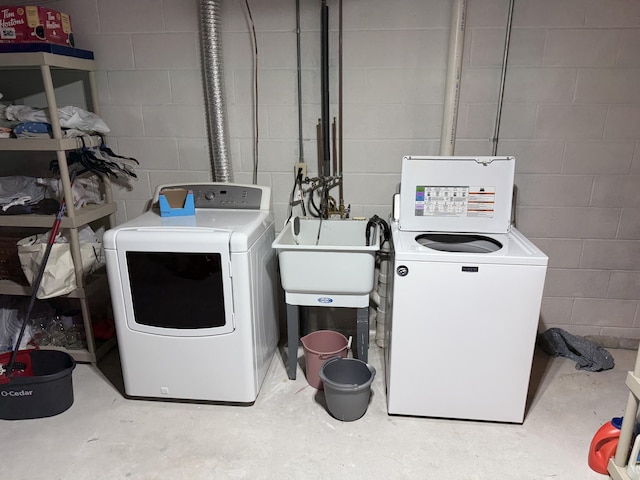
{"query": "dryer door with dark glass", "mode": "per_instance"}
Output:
(176, 281)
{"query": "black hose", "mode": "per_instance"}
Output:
(370, 225)
(324, 186)
(293, 192)
(297, 181)
(385, 231)
(315, 212)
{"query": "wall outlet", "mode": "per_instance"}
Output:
(300, 165)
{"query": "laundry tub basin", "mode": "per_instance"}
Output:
(338, 263)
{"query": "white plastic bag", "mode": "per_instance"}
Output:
(70, 117)
(18, 186)
(12, 314)
(84, 190)
(10, 324)
(59, 275)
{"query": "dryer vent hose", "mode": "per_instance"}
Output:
(213, 73)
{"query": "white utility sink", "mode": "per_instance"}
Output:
(340, 265)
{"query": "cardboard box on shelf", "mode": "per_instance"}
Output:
(34, 24)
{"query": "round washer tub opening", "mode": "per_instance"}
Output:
(447, 242)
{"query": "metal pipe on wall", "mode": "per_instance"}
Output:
(213, 74)
(324, 85)
(503, 74)
(454, 76)
(340, 122)
(299, 68)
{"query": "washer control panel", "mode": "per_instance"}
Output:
(456, 194)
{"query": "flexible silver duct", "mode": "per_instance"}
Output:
(211, 46)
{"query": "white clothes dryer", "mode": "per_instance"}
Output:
(465, 293)
(194, 297)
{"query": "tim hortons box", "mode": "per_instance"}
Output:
(33, 24)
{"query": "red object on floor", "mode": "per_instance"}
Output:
(23, 362)
(604, 444)
(104, 329)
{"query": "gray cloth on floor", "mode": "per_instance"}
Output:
(587, 354)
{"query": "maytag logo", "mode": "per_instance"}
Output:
(17, 393)
(325, 299)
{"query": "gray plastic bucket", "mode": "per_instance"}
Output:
(44, 391)
(319, 346)
(347, 387)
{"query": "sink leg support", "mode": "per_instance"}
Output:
(293, 322)
(362, 332)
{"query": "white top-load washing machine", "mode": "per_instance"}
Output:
(194, 297)
(465, 293)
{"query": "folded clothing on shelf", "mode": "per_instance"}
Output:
(70, 117)
(32, 130)
(17, 187)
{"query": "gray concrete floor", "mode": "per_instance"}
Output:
(288, 434)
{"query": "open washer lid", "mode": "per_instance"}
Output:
(456, 194)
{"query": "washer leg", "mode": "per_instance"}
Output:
(293, 320)
(362, 332)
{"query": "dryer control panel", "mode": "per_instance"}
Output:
(226, 195)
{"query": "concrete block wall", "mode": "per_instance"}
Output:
(571, 115)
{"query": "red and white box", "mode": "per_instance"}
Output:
(33, 24)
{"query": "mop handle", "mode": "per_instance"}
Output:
(36, 284)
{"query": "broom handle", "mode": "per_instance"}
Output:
(36, 284)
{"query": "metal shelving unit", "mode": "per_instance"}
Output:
(44, 63)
